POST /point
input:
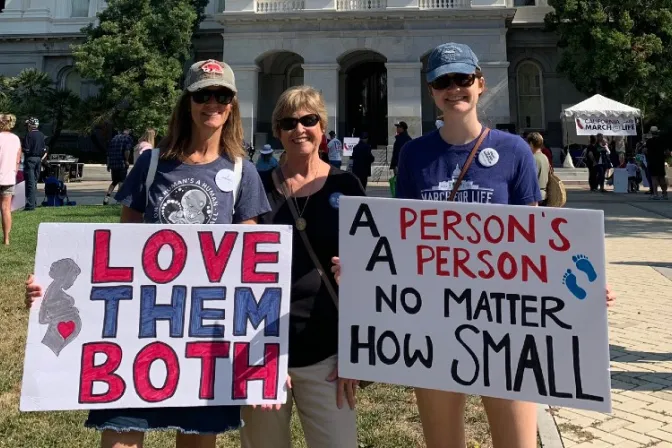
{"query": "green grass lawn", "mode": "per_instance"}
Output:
(387, 414)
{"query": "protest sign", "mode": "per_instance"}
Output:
(500, 301)
(143, 315)
(349, 144)
(606, 126)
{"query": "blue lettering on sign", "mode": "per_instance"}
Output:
(247, 308)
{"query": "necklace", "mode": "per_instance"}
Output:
(300, 221)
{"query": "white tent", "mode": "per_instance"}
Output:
(600, 106)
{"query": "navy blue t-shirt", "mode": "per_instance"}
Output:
(188, 194)
(428, 167)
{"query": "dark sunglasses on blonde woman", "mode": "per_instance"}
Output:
(459, 79)
(222, 96)
(290, 123)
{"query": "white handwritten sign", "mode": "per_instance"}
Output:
(501, 301)
(141, 315)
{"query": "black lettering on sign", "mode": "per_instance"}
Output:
(529, 359)
(454, 367)
(577, 373)
(550, 313)
(552, 388)
(369, 222)
(504, 344)
(448, 294)
(378, 257)
(379, 348)
(391, 300)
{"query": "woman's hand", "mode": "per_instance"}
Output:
(344, 387)
(33, 291)
(274, 407)
(336, 269)
(611, 297)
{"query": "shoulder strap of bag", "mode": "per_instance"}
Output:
(237, 177)
(151, 172)
(467, 164)
(278, 180)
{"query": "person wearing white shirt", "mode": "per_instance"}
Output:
(335, 148)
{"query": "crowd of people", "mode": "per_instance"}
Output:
(205, 137)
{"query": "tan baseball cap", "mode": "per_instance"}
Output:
(210, 73)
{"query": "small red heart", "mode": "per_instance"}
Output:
(66, 328)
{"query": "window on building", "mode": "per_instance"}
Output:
(530, 96)
(80, 8)
(524, 2)
(220, 5)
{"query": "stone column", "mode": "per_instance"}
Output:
(324, 77)
(493, 106)
(247, 80)
(404, 97)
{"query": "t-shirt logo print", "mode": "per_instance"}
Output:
(187, 202)
(467, 192)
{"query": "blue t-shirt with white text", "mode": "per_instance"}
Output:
(428, 168)
(188, 194)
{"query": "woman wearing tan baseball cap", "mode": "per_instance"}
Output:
(197, 175)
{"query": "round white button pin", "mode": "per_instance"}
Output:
(224, 180)
(488, 157)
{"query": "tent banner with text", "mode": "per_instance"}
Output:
(145, 315)
(606, 126)
(491, 300)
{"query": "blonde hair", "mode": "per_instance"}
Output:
(7, 122)
(149, 136)
(535, 140)
(176, 143)
(299, 98)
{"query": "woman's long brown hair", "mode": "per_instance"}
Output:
(175, 145)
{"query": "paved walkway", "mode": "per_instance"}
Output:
(639, 270)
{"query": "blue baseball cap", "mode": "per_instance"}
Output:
(451, 58)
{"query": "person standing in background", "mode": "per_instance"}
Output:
(362, 158)
(335, 150)
(655, 158)
(400, 140)
(591, 159)
(266, 161)
(536, 142)
(146, 142)
(10, 157)
(117, 161)
(35, 151)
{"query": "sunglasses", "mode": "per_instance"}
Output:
(459, 79)
(290, 123)
(222, 96)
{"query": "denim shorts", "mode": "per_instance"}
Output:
(192, 420)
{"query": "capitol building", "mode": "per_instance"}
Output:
(367, 57)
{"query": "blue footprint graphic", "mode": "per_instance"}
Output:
(569, 279)
(584, 265)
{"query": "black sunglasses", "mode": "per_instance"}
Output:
(289, 123)
(222, 96)
(460, 80)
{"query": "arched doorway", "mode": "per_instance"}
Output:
(277, 72)
(364, 97)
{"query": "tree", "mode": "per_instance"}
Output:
(31, 94)
(618, 48)
(136, 54)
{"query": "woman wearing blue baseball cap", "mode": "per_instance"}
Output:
(497, 168)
